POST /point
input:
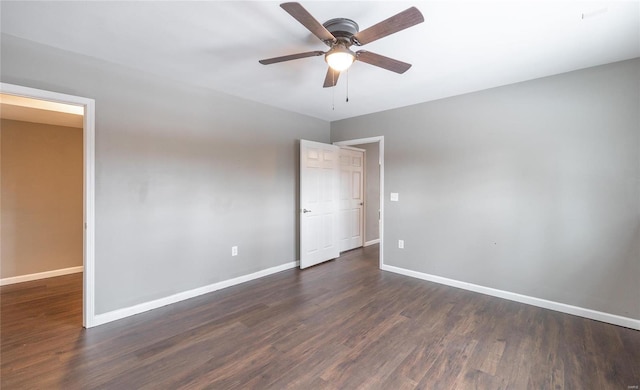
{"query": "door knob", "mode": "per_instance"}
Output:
(306, 211)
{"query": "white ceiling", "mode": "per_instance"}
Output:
(461, 47)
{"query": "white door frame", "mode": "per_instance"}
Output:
(88, 255)
(380, 141)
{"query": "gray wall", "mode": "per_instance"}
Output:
(372, 184)
(182, 174)
(532, 188)
(41, 206)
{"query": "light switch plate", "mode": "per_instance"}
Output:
(394, 197)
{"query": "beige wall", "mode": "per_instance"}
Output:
(41, 198)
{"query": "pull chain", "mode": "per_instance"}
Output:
(347, 86)
(333, 98)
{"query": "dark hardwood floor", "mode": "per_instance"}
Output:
(340, 325)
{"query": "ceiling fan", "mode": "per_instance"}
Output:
(342, 33)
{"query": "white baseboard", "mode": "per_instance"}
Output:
(100, 319)
(551, 305)
(40, 275)
(372, 242)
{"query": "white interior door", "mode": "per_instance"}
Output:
(351, 201)
(318, 203)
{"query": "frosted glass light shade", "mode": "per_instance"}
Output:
(340, 58)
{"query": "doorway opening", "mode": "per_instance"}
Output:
(371, 211)
(352, 202)
(48, 99)
(319, 182)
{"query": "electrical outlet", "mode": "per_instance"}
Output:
(401, 244)
(234, 251)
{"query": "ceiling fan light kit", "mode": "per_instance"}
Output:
(342, 33)
(340, 58)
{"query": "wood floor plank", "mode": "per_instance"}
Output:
(341, 324)
(491, 356)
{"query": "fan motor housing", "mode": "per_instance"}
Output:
(341, 27)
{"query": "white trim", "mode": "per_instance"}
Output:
(40, 275)
(380, 141)
(551, 305)
(365, 198)
(352, 148)
(88, 294)
(181, 296)
(372, 242)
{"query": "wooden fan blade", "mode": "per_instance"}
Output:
(382, 61)
(405, 19)
(331, 79)
(306, 19)
(291, 57)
